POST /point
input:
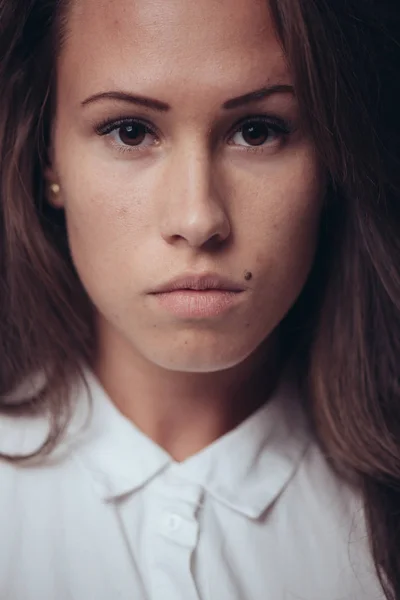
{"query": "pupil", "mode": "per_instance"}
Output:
(255, 134)
(133, 134)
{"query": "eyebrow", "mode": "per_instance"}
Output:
(159, 106)
(264, 92)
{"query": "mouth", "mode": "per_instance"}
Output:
(198, 297)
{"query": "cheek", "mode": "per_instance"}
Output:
(108, 218)
(279, 209)
(108, 226)
(282, 220)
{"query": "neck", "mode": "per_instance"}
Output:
(185, 412)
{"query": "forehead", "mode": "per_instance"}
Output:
(169, 42)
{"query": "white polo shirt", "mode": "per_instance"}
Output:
(258, 515)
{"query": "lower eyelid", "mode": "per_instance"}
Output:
(127, 148)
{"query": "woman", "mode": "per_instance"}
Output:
(200, 299)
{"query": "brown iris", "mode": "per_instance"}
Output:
(133, 134)
(255, 134)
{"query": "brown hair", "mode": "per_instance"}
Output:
(345, 56)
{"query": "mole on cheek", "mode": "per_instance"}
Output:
(248, 275)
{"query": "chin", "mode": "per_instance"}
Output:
(192, 358)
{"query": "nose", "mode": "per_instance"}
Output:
(194, 212)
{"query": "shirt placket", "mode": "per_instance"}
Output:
(173, 531)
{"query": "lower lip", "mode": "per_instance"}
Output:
(200, 304)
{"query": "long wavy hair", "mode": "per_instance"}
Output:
(345, 58)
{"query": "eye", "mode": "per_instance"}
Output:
(129, 133)
(258, 132)
(133, 134)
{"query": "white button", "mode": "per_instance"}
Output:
(172, 522)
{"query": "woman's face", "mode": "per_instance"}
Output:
(179, 152)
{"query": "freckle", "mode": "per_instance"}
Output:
(248, 275)
(122, 212)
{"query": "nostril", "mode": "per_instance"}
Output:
(215, 242)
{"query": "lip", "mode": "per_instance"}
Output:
(198, 296)
(204, 282)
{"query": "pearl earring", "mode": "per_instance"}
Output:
(55, 188)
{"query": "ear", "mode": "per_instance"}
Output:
(53, 189)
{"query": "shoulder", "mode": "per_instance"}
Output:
(30, 489)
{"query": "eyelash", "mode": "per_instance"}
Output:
(279, 126)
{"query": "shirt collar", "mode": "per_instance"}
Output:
(249, 467)
(246, 469)
(118, 456)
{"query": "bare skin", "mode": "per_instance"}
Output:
(206, 185)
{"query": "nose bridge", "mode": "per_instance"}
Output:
(195, 166)
(195, 208)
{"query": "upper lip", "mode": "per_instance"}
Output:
(207, 281)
